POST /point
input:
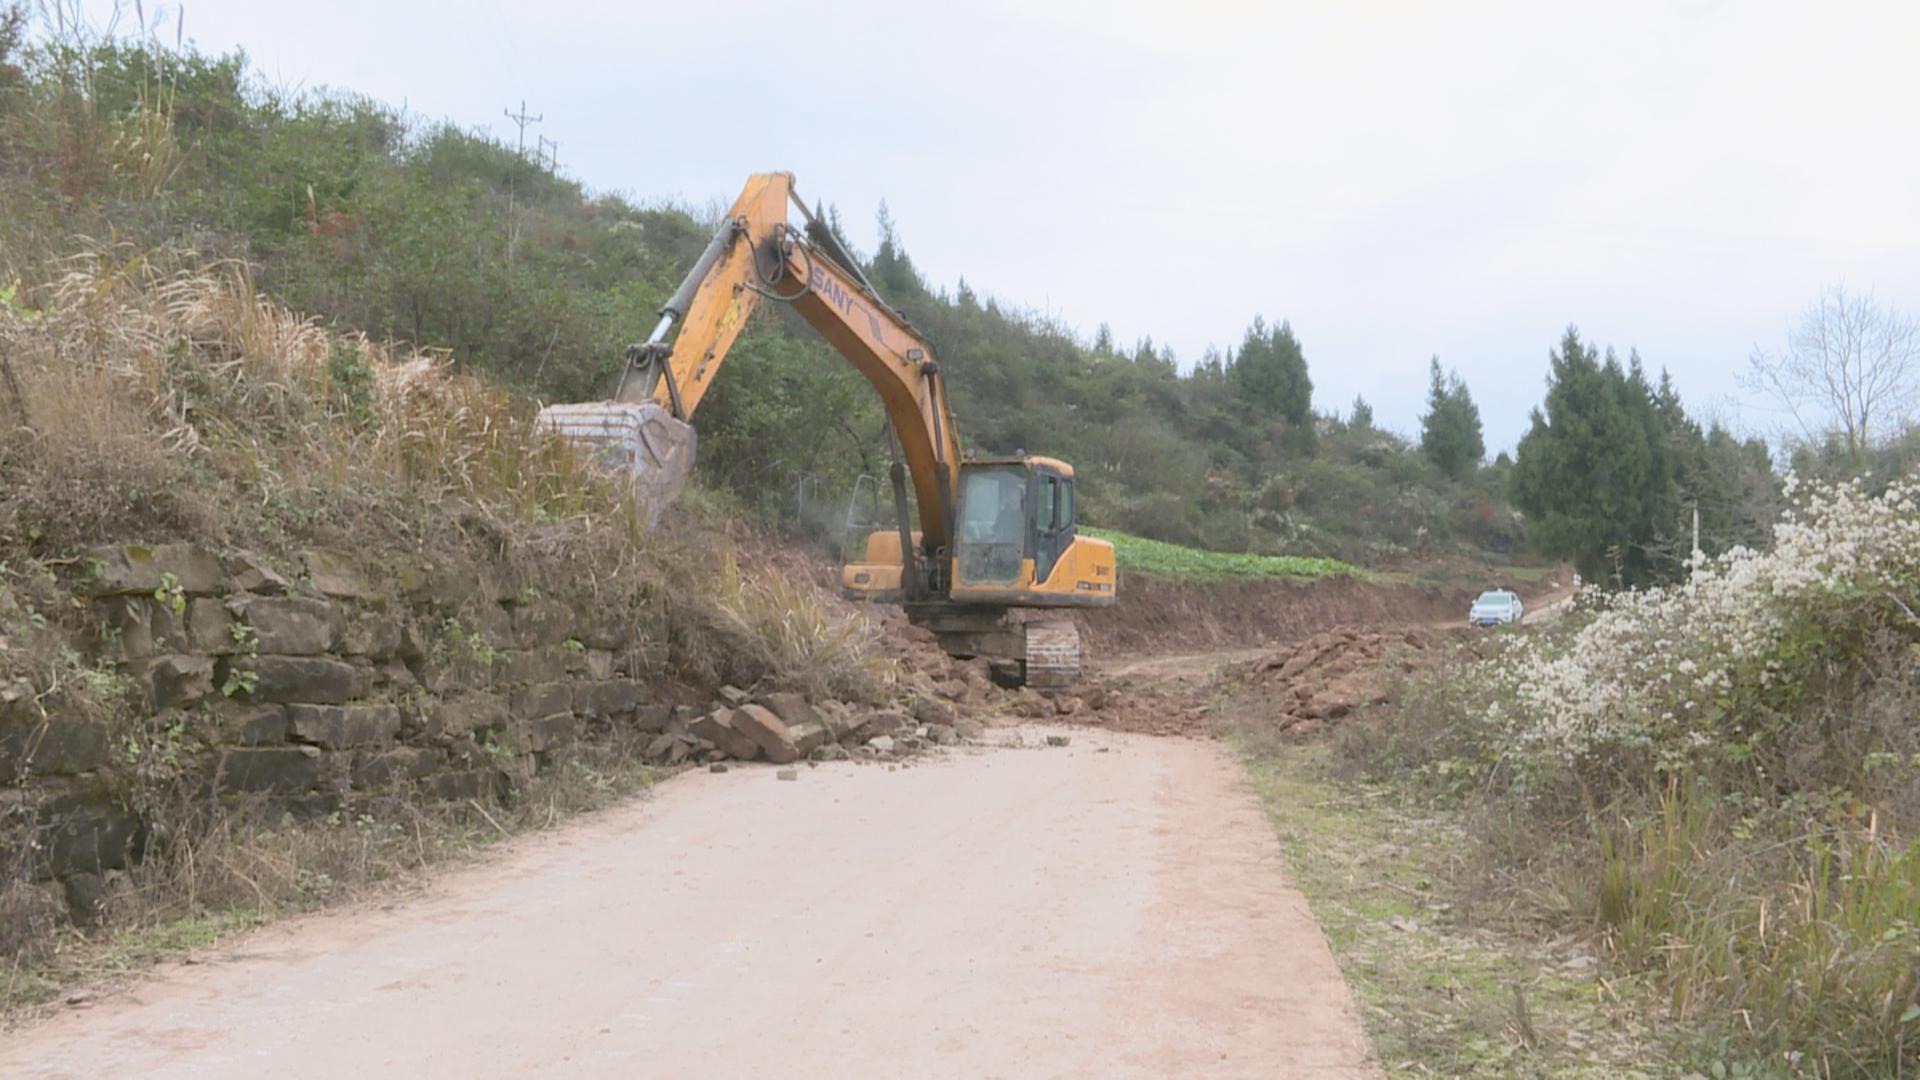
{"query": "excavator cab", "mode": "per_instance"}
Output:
(1016, 547)
(1017, 542)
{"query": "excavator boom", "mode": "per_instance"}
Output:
(756, 256)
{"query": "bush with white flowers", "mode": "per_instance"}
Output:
(1714, 665)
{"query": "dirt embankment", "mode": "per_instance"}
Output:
(1156, 614)
(1311, 654)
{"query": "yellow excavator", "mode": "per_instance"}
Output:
(995, 536)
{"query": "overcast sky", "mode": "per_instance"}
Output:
(1397, 179)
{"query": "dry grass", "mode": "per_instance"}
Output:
(154, 397)
(1443, 991)
(168, 365)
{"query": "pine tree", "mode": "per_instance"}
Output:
(1361, 418)
(891, 271)
(1595, 472)
(1270, 375)
(1450, 432)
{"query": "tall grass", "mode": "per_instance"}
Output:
(1802, 932)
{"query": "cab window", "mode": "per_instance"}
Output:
(1043, 506)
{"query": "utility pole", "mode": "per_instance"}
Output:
(521, 119)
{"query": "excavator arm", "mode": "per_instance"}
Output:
(757, 257)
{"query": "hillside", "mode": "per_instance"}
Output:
(381, 223)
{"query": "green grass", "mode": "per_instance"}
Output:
(1440, 995)
(1192, 564)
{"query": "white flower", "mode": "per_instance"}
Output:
(1652, 655)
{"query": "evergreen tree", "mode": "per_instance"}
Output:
(892, 272)
(1270, 375)
(1450, 433)
(1361, 419)
(1594, 473)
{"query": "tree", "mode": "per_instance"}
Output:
(1591, 473)
(1270, 374)
(1850, 365)
(13, 30)
(892, 271)
(1450, 433)
(1361, 418)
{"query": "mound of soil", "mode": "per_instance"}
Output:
(1155, 614)
(1333, 674)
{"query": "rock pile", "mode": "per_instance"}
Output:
(782, 728)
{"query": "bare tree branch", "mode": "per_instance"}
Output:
(1850, 365)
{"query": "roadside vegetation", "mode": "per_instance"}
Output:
(1712, 783)
(1446, 987)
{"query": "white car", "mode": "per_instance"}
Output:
(1496, 607)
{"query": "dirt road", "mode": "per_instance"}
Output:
(1115, 908)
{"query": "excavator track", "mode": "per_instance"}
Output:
(1043, 653)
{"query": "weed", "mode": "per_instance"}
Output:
(1441, 994)
(352, 380)
(455, 643)
(170, 595)
(239, 681)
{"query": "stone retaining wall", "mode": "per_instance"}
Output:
(308, 686)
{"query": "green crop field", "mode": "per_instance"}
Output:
(1174, 561)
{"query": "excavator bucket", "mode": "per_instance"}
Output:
(644, 441)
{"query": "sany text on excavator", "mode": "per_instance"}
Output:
(996, 536)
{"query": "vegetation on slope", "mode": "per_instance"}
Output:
(379, 222)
